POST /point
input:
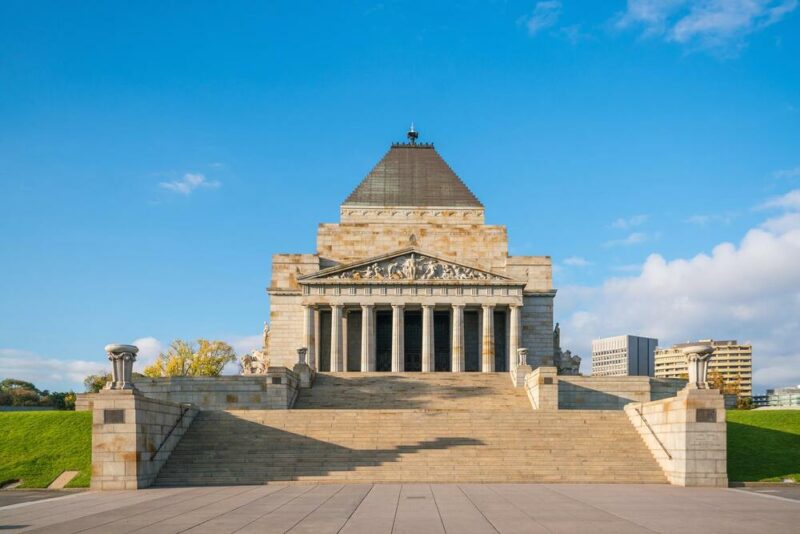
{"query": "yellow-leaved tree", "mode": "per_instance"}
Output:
(204, 358)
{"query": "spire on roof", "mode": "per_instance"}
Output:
(412, 135)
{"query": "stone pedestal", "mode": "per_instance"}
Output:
(519, 367)
(687, 434)
(304, 372)
(542, 387)
(132, 437)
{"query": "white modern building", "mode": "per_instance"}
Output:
(623, 356)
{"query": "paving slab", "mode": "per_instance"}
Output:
(412, 508)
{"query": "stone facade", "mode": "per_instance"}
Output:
(411, 278)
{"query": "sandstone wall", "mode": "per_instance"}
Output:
(475, 244)
(286, 329)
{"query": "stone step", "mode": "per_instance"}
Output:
(410, 427)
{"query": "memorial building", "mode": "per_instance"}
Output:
(411, 279)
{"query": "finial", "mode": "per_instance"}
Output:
(412, 135)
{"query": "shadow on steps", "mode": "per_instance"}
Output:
(221, 448)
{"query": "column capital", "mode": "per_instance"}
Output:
(457, 305)
(398, 306)
(367, 306)
(428, 305)
(487, 306)
(337, 306)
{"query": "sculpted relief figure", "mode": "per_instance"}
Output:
(412, 267)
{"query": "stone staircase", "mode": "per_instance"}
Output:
(410, 427)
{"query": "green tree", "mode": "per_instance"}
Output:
(94, 383)
(204, 358)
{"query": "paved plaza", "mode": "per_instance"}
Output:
(412, 508)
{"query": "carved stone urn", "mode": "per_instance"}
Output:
(697, 358)
(301, 355)
(122, 358)
(522, 356)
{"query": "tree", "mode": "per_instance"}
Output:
(94, 383)
(204, 358)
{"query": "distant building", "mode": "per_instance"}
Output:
(734, 362)
(623, 356)
(779, 397)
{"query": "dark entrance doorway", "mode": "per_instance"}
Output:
(413, 341)
(500, 345)
(441, 341)
(383, 341)
(324, 363)
(353, 353)
(472, 341)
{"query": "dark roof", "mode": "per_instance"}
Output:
(412, 175)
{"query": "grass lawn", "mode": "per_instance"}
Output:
(763, 445)
(36, 447)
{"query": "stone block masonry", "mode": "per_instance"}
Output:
(132, 437)
(687, 435)
(277, 390)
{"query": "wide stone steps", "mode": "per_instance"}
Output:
(440, 427)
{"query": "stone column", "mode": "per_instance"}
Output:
(367, 338)
(487, 339)
(336, 338)
(314, 362)
(513, 337)
(457, 346)
(121, 358)
(344, 341)
(427, 338)
(308, 335)
(398, 348)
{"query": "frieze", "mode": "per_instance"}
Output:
(413, 266)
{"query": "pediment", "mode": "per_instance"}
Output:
(408, 265)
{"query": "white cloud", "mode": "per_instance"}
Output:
(790, 200)
(45, 372)
(630, 222)
(632, 239)
(149, 349)
(745, 291)
(545, 15)
(715, 24)
(787, 173)
(189, 183)
(704, 219)
(577, 261)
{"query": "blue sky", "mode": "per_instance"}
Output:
(153, 156)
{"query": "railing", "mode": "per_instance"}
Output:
(644, 420)
(184, 411)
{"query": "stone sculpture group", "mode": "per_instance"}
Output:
(414, 267)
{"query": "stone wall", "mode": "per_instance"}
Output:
(687, 435)
(286, 329)
(484, 246)
(276, 390)
(612, 392)
(537, 329)
(132, 437)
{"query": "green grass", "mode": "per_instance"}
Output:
(35, 447)
(763, 445)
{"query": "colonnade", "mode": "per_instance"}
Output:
(338, 337)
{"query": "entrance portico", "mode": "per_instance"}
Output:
(386, 311)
